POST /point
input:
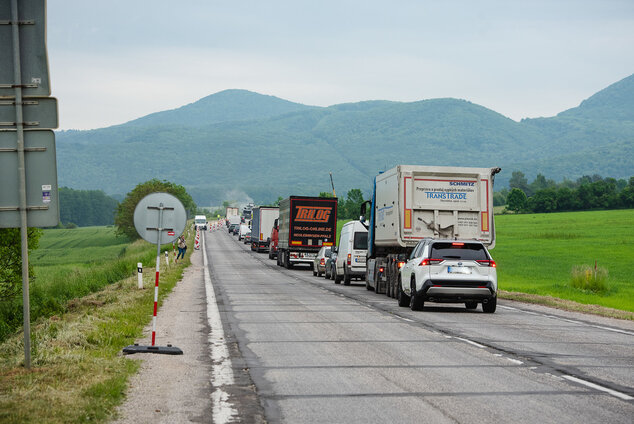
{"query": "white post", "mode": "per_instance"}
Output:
(167, 259)
(139, 267)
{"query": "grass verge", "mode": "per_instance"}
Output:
(78, 373)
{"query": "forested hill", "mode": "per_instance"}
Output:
(267, 147)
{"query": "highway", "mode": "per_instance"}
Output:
(311, 351)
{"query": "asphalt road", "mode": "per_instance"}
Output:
(312, 351)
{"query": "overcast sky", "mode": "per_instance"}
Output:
(116, 60)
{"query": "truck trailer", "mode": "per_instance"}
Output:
(262, 220)
(412, 202)
(305, 225)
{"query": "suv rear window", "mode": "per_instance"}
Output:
(464, 251)
(360, 241)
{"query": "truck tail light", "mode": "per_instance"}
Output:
(487, 262)
(348, 260)
(427, 262)
(381, 269)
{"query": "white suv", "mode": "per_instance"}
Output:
(449, 271)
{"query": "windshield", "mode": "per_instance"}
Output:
(360, 241)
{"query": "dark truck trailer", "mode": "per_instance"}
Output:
(305, 225)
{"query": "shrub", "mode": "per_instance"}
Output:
(585, 277)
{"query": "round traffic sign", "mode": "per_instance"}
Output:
(160, 213)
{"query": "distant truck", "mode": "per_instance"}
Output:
(200, 222)
(262, 220)
(232, 212)
(305, 225)
(411, 202)
(274, 240)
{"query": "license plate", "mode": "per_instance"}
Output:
(458, 270)
(309, 255)
(360, 260)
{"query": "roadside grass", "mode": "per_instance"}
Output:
(68, 266)
(536, 255)
(78, 373)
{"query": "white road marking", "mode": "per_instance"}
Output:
(471, 342)
(597, 387)
(572, 321)
(515, 361)
(222, 371)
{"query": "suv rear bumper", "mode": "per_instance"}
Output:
(456, 291)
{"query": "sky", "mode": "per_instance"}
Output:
(114, 61)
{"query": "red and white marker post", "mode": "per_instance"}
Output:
(156, 281)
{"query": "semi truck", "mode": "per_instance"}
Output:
(413, 202)
(305, 225)
(262, 220)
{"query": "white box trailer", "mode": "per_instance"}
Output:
(412, 202)
(263, 218)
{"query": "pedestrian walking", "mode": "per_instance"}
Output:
(182, 248)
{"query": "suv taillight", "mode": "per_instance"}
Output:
(322, 261)
(427, 262)
(348, 260)
(487, 262)
(400, 264)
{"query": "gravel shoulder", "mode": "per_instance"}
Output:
(174, 388)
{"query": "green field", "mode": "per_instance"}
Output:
(70, 264)
(536, 253)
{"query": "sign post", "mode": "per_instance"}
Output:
(158, 217)
(27, 159)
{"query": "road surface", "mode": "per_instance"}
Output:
(313, 351)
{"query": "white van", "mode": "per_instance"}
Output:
(351, 252)
(200, 222)
(244, 229)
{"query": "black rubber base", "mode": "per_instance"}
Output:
(164, 350)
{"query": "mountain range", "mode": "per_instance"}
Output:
(236, 144)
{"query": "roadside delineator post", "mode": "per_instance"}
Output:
(167, 259)
(158, 217)
(139, 268)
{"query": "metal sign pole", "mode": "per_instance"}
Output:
(22, 177)
(158, 264)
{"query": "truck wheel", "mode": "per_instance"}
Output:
(270, 255)
(490, 306)
(403, 299)
(287, 260)
(346, 277)
(415, 301)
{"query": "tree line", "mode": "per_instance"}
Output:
(545, 195)
(85, 207)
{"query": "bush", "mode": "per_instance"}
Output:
(585, 277)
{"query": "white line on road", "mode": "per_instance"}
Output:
(573, 321)
(471, 342)
(222, 371)
(515, 361)
(597, 387)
